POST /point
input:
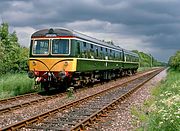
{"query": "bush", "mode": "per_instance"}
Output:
(162, 113)
(174, 61)
(13, 56)
(15, 84)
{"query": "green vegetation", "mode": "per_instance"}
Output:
(15, 84)
(13, 59)
(13, 56)
(148, 60)
(143, 68)
(162, 112)
(174, 61)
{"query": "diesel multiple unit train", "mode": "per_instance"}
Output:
(62, 57)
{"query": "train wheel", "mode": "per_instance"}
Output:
(45, 86)
(66, 83)
(82, 84)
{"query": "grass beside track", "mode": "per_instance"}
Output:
(18, 84)
(162, 111)
(15, 84)
(144, 68)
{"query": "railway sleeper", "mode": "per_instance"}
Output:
(47, 128)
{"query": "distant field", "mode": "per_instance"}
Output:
(164, 107)
(15, 84)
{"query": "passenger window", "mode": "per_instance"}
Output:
(121, 56)
(84, 50)
(113, 54)
(84, 44)
(117, 55)
(78, 48)
(100, 52)
(91, 46)
(97, 52)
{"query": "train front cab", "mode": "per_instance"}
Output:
(49, 62)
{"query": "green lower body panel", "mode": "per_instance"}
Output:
(84, 65)
(130, 65)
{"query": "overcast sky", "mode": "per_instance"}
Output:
(151, 26)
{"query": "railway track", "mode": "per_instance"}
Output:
(20, 97)
(10, 106)
(83, 111)
(14, 103)
(7, 105)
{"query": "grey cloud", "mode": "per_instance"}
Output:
(156, 22)
(165, 42)
(56, 11)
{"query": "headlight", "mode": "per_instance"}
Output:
(65, 63)
(62, 74)
(34, 63)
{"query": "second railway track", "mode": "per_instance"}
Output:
(83, 111)
(14, 103)
(10, 106)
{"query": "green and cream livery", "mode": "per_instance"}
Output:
(62, 57)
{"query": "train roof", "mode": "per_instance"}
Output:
(67, 32)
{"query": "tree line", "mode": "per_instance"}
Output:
(13, 57)
(174, 61)
(147, 60)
